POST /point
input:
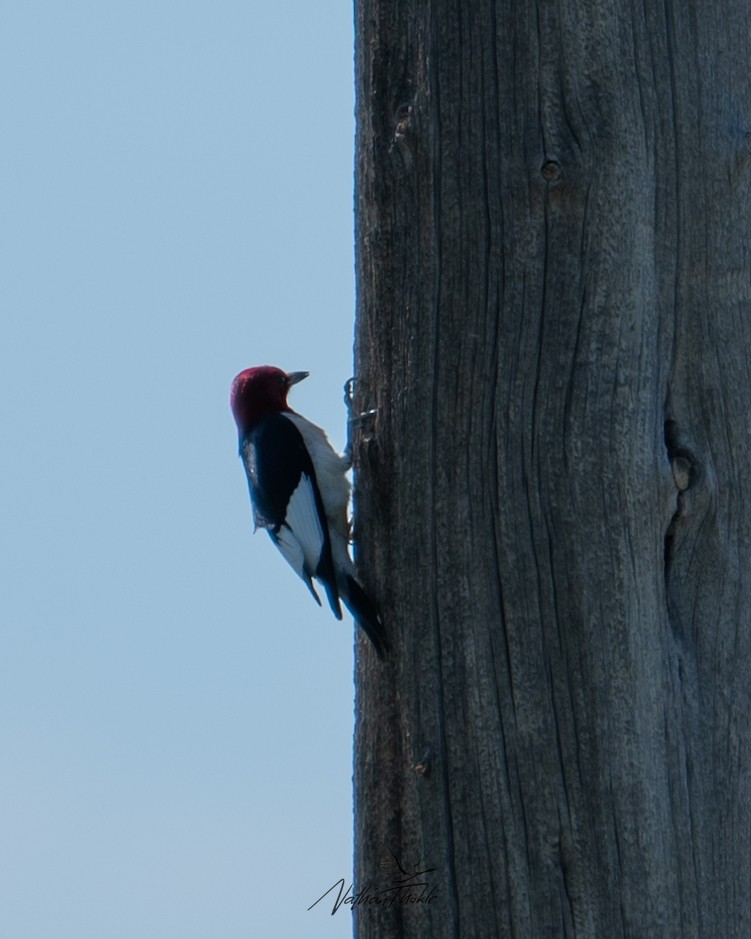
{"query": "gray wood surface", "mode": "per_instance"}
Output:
(554, 323)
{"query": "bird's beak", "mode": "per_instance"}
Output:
(294, 377)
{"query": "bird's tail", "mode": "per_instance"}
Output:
(366, 616)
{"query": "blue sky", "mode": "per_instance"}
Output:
(176, 205)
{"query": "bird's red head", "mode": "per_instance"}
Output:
(259, 391)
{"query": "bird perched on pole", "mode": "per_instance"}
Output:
(300, 491)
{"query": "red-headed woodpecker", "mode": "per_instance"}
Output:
(299, 491)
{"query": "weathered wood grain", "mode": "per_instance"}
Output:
(554, 323)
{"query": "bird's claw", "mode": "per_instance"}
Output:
(354, 420)
(349, 395)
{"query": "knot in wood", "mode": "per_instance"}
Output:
(681, 467)
(551, 171)
(403, 132)
(402, 119)
(422, 766)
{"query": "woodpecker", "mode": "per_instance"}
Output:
(299, 491)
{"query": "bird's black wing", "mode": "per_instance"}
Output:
(275, 459)
(287, 502)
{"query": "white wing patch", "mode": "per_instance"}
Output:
(301, 537)
(291, 551)
(331, 473)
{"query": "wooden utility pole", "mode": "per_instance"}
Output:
(554, 323)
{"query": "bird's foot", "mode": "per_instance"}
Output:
(354, 420)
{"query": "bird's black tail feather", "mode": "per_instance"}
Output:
(366, 616)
